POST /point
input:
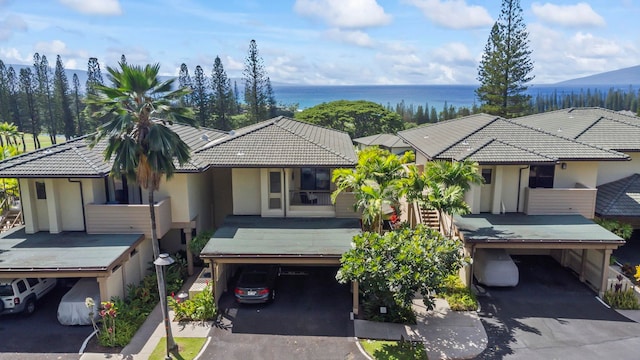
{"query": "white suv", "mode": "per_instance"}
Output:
(20, 295)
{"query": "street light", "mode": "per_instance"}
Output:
(161, 262)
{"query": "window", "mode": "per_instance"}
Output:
(41, 191)
(541, 176)
(486, 174)
(32, 282)
(274, 182)
(21, 286)
(315, 179)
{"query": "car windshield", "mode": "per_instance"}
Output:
(6, 290)
(253, 279)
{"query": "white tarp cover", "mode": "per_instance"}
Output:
(494, 267)
(72, 309)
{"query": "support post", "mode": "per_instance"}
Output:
(356, 298)
(583, 265)
(187, 236)
(605, 272)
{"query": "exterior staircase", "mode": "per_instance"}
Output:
(430, 218)
(10, 219)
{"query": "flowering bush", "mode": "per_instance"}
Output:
(108, 313)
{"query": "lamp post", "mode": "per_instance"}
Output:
(161, 262)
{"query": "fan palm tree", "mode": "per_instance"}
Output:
(137, 109)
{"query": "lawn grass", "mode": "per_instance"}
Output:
(45, 141)
(394, 350)
(188, 348)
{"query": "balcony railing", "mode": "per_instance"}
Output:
(127, 218)
(310, 197)
(579, 200)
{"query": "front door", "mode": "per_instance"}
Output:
(486, 190)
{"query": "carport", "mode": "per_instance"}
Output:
(291, 241)
(115, 260)
(573, 240)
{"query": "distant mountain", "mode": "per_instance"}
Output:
(621, 77)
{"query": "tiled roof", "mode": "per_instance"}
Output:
(280, 142)
(620, 197)
(75, 158)
(492, 140)
(596, 126)
(386, 140)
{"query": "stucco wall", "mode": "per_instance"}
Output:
(176, 189)
(70, 205)
(584, 172)
(199, 192)
(609, 171)
(246, 188)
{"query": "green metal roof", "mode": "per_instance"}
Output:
(67, 251)
(255, 236)
(537, 229)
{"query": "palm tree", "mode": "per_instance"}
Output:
(137, 108)
(8, 133)
(376, 181)
(446, 200)
(449, 173)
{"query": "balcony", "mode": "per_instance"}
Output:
(127, 218)
(579, 200)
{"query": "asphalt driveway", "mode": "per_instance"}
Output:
(309, 319)
(552, 315)
(40, 336)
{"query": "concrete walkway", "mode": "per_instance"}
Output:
(446, 334)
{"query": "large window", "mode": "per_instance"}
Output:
(541, 176)
(315, 179)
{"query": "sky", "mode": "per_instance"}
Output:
(321, 42)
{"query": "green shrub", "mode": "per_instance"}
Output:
(395, 312)
(199, 241)
(623, 300)
(122, 318)
(201, 307)
(619, 228)
(459, 297)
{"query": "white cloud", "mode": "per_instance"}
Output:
(577, 15)
(344, 13)
(355, 37)
(11, 24)
(94, 7)
(454, 53)
(13, 56)
(454, 14)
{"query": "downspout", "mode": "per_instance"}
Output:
(285, 185)
(519, 184)
(84, 217)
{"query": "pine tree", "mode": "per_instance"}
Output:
(45, 94)
(62, 101)
(222, 96)
(272, 106)
(5, 115)
(28, 87)
(13, 87)
(255, 85)
(506, 65)
(78, 105)
(123, 60)
(200, 97)
(184, 80)
(94, 78)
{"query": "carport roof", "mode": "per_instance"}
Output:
(255, 236)
(534, 230)
(67, 251)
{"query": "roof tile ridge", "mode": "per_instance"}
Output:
(566, 138)
(466, 136)
(258, 126)
(311, 141)
(281, 117)
(527, 150)
(86, 159)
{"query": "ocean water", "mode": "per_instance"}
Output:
(433, 95)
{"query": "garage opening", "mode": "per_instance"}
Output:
(309, 302)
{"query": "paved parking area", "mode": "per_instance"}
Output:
(40, 336)
(309, 319)
(551, 315)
